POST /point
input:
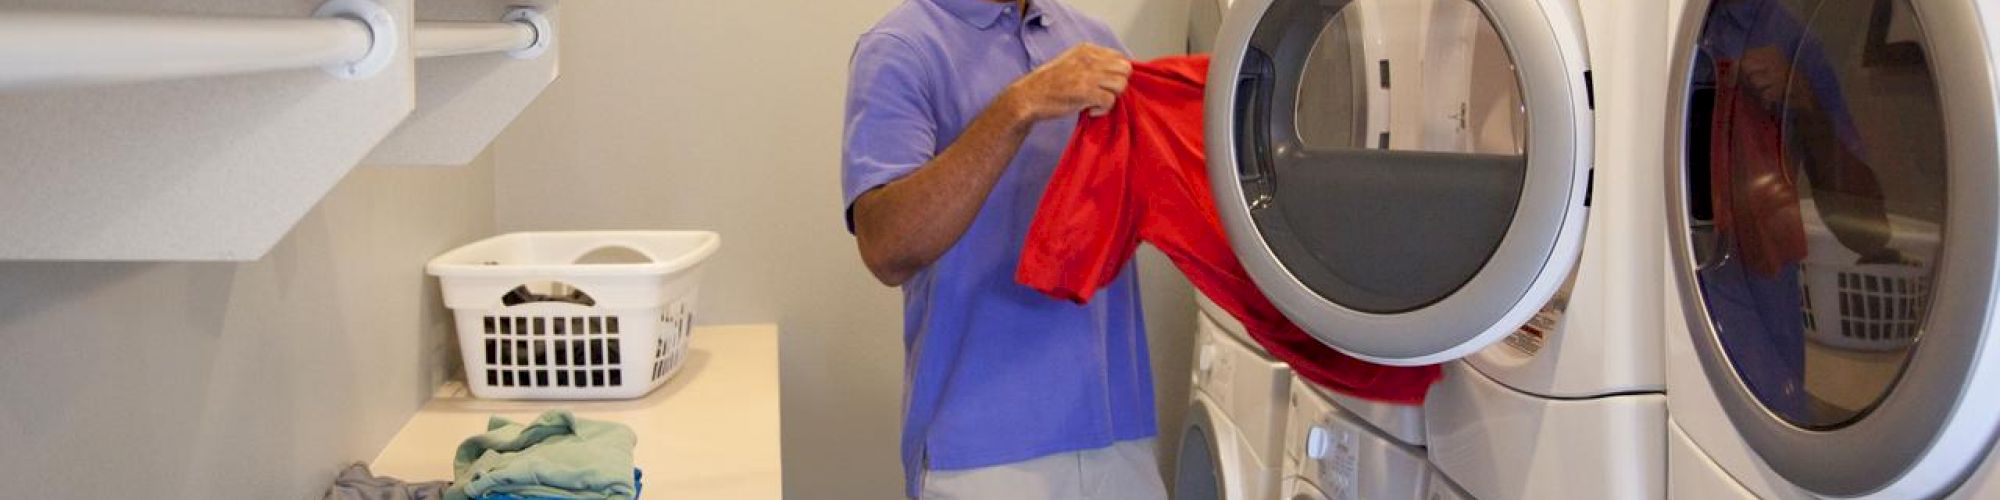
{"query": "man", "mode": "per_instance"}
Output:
(957, 112)
(1778, 111)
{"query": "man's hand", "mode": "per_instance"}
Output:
(906, 225)
(1085, 77)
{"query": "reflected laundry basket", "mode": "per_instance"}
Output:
(1865, 307)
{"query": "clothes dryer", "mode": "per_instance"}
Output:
(1832, 173)
(1409, 181)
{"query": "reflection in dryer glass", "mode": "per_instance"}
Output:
(1816, 181)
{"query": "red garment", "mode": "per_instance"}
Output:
(1139, 173)
(1756, 196)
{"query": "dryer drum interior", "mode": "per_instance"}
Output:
(1405, 179)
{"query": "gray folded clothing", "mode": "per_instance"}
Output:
(356, 483)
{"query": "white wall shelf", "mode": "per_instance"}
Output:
(188, 169)
(202, 130)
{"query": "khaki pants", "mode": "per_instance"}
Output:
(1127, 470)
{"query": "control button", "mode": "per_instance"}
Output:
(1316, 442)
(1206, 359)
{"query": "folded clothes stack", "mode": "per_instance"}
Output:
(556, 456)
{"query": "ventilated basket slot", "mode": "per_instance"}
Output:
(533, 351)
(670, 349)
(1869, 307)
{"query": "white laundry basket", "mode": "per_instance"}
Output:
(1865, 307)
(574, 315)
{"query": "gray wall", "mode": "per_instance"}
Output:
(252, 380)
(726, 116)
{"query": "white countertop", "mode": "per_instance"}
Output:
(710, 432)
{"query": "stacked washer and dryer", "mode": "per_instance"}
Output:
(1234, 427)
(1829, 223)
(1832, 176)
(1409, 180)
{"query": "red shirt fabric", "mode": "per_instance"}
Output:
(1139, 173)
(1756, 195)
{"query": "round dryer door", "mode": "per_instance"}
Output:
(1405, 179)
(1833, 185)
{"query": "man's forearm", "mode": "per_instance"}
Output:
(905, 225)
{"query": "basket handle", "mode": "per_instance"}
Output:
(558, 292)
(618, 252)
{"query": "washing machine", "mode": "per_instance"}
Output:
(1583, 379)
(1234, 425)
(1333, 454)
(1412, 182)
(1832, 177)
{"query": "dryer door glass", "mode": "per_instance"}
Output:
(1816, 170)
(1834, 244)
(1400, 173)
(1399, 168)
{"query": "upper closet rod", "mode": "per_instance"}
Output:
(522, 34)
(350, 38)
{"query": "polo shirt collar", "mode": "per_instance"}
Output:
(984, 14)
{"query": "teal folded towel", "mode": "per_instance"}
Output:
(555, 456)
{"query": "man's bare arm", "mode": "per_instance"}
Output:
(905, 225)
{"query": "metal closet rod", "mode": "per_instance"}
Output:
(522, 34)
(53, 49)
(351, 39)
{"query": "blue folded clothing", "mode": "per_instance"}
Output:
(638, 487)
(555, 456)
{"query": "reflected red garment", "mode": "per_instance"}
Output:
(1755, 194)
(1139, 173)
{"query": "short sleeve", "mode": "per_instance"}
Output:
(1102, 34)
(890, 130)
